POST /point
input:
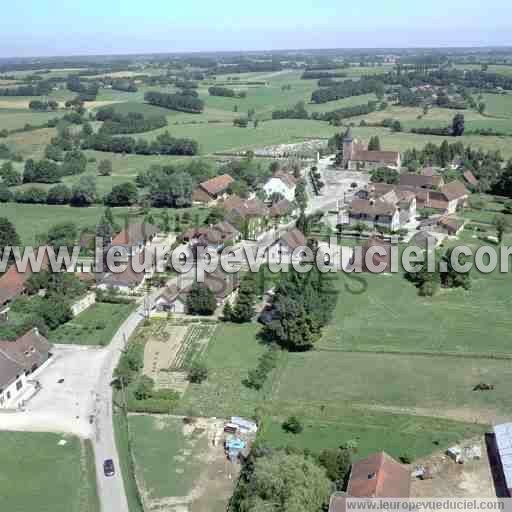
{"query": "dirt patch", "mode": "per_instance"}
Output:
(99, 104)
(473, 479)
(465, 414)
(160, 354)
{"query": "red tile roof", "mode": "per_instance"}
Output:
(454, 190)
(135, 234)
(388, 157)
(379, 475)
(217, 185)
(470, 178)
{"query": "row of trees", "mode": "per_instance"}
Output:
(132, 122)
(348, 88)
(164, 144)
(335, 117)
(298, 111)
(225, 92)
(43, 106)
(41, 88)
(46, 171)
(314, 75)
(180, 102)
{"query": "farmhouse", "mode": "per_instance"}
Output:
(423, 180)
(136, 269)
(282, 250)
(379, 476)
(174, 300)
(357, 156)
(281, 183)
(282, 210)
(248, 215)
(19, 360)
(374, 212)
(215, 237)
(210, 191)
(135, 237)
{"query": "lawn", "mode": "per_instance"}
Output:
(14, 119)
(499, 105)
(397, 434)
(95, 326)
(38, 474)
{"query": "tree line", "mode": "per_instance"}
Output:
(348, 88)
(180, 102)
(164, 144)
(42, 88)
(133, 122)
(225, 92)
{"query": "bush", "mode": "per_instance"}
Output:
(197, 373)
(292, 425)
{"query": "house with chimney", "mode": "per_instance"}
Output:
(20, 362)
(210, 191)
(281, 183)
(357, 156)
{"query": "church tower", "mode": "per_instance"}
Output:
(348, 147)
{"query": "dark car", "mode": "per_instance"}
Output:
(108, 468)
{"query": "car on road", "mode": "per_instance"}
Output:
(108, 468)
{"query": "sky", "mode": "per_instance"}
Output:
(65, 27)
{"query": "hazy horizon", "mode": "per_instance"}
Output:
(56, 28)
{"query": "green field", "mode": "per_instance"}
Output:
(390, 316)
(95, 326)
(499, 105)
(31, 220)
(38, 474)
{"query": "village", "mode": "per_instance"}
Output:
(350, 203)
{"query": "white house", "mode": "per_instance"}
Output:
(281, 183)
(20, 361)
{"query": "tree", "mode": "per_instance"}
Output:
(84, 191)
(227, 312)
(105, 168)
(8, 235)
(374, 144)
(396, 126)
(458, 125)
(385, 175)
(63, 234)
(59, 194)
(144, 388)
(197, 373)
(293, 425)
(10, 177)
(124, 194)
(301, 197)
(337, 465)
(282, 482)
(481, 107)
(201, 300)
(243, 310)
(500, 224)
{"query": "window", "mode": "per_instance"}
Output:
(19, 385)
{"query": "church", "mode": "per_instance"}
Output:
(357, 156)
